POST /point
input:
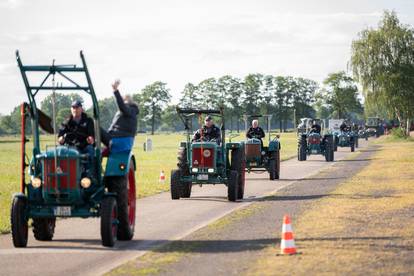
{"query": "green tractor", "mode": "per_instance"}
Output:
(374, 127)
(260, 158)
(63, 181)
(208, 162)
(315, 141)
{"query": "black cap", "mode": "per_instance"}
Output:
(76, 103)
(208, 118)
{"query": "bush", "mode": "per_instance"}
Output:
(399, 133)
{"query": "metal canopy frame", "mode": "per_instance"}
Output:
(51, 71)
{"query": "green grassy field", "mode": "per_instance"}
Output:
(163, 157)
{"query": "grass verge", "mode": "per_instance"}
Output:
(365, 226)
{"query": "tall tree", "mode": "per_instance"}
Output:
(190, 96)
(252, 96)
(340, 94)
(383, 62)
(154, 98)
(231, 88)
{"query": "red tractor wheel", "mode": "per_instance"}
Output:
(132, 197)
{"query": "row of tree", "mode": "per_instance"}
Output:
(286, 98)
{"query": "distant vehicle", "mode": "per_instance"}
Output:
(262, 158)
(207, 162)
(374, 127)
(315, 141)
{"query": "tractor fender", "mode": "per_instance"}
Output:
(274, 145)
(118, 163)
(19, 195)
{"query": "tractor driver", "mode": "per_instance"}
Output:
(255, 132)
(343, 127)
(78, 130)
(209, 131)
(316, 128)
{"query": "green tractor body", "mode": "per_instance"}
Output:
(63, 181)
(261, 158)
(315, 143)
(208, 162)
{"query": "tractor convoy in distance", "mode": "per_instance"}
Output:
(65, 182)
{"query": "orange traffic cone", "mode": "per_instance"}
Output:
(162, 176)
(287, 245)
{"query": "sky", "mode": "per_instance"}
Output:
(181, 41)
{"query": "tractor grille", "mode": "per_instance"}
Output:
(203, 157)
(62, 179)
(314, 140)
(252, 151)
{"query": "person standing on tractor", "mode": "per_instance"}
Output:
(78, 131)
(208, 132)
(124, 123)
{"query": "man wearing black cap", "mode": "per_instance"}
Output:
(208, 132)
(78, 130)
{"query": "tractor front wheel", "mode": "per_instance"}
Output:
(44, 228)
(272, 169)
(232, 184)
(238, 163)
(109, 221)
(19, 225)
(186, 189)
(175, 188)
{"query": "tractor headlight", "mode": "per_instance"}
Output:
(194, 170)
(122, 166)
(36, 182)
(85, 182)
(210, 170)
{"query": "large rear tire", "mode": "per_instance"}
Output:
(232, 184)
(175, 188)
(277, 161)
(356, 142)
(302, 148)
(44, 228)
(109, 221)
(18, 220)
(329, 149)
(336, 143)
(238, 163)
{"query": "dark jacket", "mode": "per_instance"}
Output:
(208, 134)
(124, 123)
(77, 132)
(343, 127)
(316, 129)
(255, 133)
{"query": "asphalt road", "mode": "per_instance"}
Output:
(76, 248)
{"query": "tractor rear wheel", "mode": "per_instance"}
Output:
(18, 219)
(175, 188)
(336, 143)
(186, 189)
(329, 149)
(109, 221)
(232, 184)
(302, 148)
(277, 161)
(238, 163)
(356, 142)
(272, 169)
(352, 146)
(44, 228)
